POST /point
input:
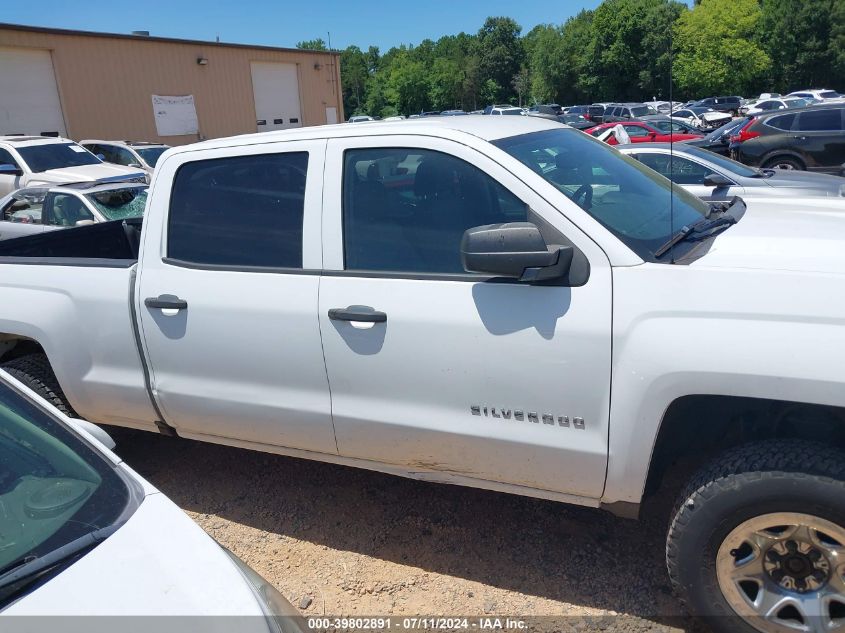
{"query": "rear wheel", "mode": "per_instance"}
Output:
(785, 162)
(35, 372)
(757, 540)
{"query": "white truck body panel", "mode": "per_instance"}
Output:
(756, 316)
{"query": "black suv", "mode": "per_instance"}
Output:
(810, 138)
(721, 104)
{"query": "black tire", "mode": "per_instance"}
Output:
(746, 482)
(785, 162)
(35, 372)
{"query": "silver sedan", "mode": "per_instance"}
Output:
(713, 177)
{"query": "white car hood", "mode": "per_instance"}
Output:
(805, 235)
(159, 563)
(714, 116)
(83, 173)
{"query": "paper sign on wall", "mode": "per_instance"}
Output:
(175, 116)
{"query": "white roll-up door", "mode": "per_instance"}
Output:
(276, 89)
(29, 98)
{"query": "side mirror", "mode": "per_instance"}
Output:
(716, 180)
(135, 165)
(10, 170)
(516, 250)
(652, 135)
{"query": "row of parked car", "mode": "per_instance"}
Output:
(51, 183)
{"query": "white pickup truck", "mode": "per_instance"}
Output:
(503, 303)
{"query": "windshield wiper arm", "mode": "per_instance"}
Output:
(34, 567)
(698, 231)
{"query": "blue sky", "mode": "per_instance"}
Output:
(284, 23)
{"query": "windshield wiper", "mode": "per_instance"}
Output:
(699, 231)
(30, 568)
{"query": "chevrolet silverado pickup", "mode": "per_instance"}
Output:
(502, 303)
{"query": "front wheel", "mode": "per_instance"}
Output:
(785, 162)
(757, 540)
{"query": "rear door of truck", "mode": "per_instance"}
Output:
(227, 295)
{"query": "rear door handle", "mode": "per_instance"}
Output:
(357, 314)
(169, 304)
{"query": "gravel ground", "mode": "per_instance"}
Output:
(346, 542)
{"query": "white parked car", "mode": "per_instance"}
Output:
(136, 154)
(82, 534)
(818, 94)
(32, 161)
(782, 103)
(360, 119)
(701, 118)
(512, 110)
(38, 209)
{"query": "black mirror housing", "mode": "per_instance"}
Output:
(516, 250)
(716, 180)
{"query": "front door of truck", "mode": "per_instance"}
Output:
(437, 369)
(227, 295)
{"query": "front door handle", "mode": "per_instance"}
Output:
(353, 313)
(168, 304)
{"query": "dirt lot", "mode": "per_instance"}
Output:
(341, 541)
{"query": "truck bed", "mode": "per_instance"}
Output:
(72, 291)
(118, 240)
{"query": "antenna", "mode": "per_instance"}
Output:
(671, 152)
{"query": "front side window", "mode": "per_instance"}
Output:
(6, 158)
(40, 158)
(54, 488)
(820, 121)
(684, 114)
(67, 210)
(639, 111)
(636, 130)
(677, 169)
(239, 211)
(633, 202)
(406, 210)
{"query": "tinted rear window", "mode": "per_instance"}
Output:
(239, 211)
(820, 121)
(782, 122)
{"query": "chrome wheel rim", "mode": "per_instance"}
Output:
(787, 166)
(785, 572)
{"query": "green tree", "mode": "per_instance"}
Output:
(318, 44)
(500, 54)
(630, 49)
(354, 75)
(408, 84)
(804, 39)
(716, 49)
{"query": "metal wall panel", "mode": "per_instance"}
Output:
(105, 83)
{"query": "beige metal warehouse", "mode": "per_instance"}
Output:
(100, 85)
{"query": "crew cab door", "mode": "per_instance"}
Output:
(489, 380)
(227, 295)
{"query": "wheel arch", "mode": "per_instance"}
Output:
(694, 428)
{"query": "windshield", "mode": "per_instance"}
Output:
(119, 204)
(721, 131)
(150, 154)
(796, 103)
(722, 161)
(628, 198)
(56, 156)
(54, 488)
(829, 94)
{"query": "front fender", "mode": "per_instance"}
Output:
(679, 331)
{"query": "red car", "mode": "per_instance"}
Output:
(641, 132)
